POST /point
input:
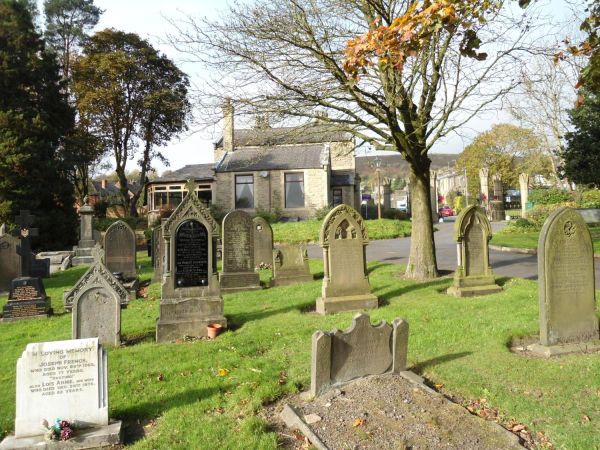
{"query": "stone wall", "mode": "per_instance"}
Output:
(342, 156)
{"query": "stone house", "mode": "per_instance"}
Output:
(297, 169)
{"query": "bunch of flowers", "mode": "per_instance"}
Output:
(263, 266)
(62, 430)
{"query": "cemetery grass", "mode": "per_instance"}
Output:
(530, 240)
(293, 233)
(196, 394)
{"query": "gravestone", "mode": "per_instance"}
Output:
(83, 254)
(98, 238)
(361, 350)
(263, 241)
(40, 268)
(96, 277)
(344, 239)
(568, 321)
(238, 273)
(119, 249)
(473, 276)
(10, 261)
(66, 379)
(158, 251)
(96, 301)
(191, 294)
(25, 233)
(497, 212)
(290, 266)
(27, 300)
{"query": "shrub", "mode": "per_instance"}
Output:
(459, 204)
(590, 199)
(137, 223)
(394, 214)
(322, 212)
(539, 213)
(165, 211)
(552, 196)
(218, 213)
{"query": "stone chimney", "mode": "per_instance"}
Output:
(104, 184)
(227, 126)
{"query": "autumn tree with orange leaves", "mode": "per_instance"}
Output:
(399, 75)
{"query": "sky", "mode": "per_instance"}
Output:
(147, 18)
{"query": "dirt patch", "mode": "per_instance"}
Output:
(518, 346)
(390, 412)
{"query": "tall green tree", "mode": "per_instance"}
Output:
(68, 23)
(34, 117)
(505, 149)
(581, 158)
(130, 93)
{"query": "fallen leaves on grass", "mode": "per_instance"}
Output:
(161, 377)
(223, 372)
(585, 418)
(359, 422)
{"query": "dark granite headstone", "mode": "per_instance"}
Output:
(27, 300)
(191, 254)
(40, 268)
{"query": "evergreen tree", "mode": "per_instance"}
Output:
(34, 116)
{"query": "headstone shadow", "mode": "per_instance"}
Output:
(420, 366)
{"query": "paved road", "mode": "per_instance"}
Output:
(395, 251)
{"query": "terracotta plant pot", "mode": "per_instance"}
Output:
(214, 329)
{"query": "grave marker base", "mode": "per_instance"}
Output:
(473, 286)
(187, 316)
(555, 350)
(334, 305)
(239, 282)
(96, 437)
(289, 280)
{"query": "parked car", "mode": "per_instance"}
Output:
(446, 211)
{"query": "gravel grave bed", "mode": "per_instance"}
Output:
(389, 412)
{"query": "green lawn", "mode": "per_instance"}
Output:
(291, 233)
(460, 343)
(530, 240)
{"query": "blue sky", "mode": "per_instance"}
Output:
(145, 17)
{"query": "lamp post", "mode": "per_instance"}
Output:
(377, 162)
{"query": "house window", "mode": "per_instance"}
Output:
(337, 197)
(160, 197)
(244, 191)
(294, 190)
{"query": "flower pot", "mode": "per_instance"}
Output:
(214, 329)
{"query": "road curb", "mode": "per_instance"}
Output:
(526, 251)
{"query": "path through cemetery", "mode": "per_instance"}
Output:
(395, 251)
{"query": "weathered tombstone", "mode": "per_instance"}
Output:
(191, 294)
(10, 261)
(158, 251)
(96, 300)
(358, 351)
(66, 379)
(25, 233)
(473, 276)
(568, 321)
(98, 237)
(344, 239)
(290, 266)
(97, 276)
(263, 241)
(119, 249)
(40, 268)
(83, 254)
(27, 300)
(238, 254)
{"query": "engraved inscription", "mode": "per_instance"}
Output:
(238, 243)
(25, 293)
(474, 250)
(238, 280)
(191, 254)
(119, 244)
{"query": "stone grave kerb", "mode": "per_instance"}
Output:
(336, 216)
(559, 332)
(190, 208)
(96, 276)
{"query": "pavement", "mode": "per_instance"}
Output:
(395, 251)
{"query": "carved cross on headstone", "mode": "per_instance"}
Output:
(24, 233)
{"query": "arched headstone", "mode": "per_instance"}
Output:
(473, 276)
(290, 266)
(568, 320)
(119, 249)
(344, 239)
(263, 241)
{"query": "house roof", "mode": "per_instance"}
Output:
(110, 188)
(342, 178)
(311, 156)
(311, 134)
(199, 172)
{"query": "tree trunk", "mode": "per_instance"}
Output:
(422, 263)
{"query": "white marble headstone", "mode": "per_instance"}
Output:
(65, 379)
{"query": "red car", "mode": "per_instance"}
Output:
(446, 211)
